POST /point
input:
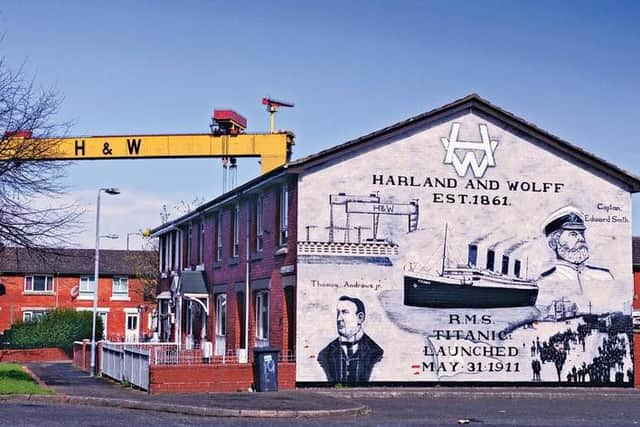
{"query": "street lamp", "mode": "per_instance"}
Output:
(113, 192)
(131, 234)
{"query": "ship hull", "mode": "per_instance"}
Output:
(436, 294)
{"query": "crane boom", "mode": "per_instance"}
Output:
(274, 149)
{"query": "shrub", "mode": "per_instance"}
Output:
(57, 328)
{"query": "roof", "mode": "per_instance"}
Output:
(635, 253)
(74, 261)
(223, 198)
(467, 103)
(475, 102)
(192, 282)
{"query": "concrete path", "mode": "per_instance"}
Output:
(74, 386)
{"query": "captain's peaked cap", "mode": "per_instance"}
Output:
(566, 218)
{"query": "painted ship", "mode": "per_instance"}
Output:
(468, 286)
(361, 248)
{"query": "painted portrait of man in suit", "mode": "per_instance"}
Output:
(349, 359)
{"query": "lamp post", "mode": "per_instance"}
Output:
(110, 191)
(131, 234)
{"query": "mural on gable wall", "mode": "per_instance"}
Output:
(463, 252)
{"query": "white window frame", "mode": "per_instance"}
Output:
(30, 280)
(262, 323)
(283, 232)
(221, 315)
(259, 223)
(135, 318)
(219, 237)
(84, 292)
(236, 230)
(118, 294)
(33, 314)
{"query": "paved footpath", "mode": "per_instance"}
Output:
(74, 386)
(77, 387)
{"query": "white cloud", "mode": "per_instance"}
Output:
(127, 212)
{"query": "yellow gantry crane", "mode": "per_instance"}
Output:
(226, 140)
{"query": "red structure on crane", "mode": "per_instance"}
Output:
(272, 108)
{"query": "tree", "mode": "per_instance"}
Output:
(30, 213)
(145, 263)
(182, 208)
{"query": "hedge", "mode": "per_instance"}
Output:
(57, 328)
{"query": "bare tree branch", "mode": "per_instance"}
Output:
(145, 263)
(29, 188)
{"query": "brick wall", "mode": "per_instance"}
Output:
(287, 376)
(212, 378)
(33, 355)
(200, 378)
(82, 355)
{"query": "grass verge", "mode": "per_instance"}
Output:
(14, 380)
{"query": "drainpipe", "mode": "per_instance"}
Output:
(179, 322)
(247, 282)
(56, 286)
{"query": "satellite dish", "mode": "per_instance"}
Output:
(75, 291)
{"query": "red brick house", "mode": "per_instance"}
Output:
(34, 282)
(203, 260)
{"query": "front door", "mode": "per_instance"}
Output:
(105, 330)
(221, 325)
(131, 331)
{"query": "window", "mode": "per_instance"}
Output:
(516, 268)
(262, 318)
(491, 259)
(236, 230)
(221, 315)
(120, 287)
(284, 215)
(132, 322)
(32, 315)
(505, 264)
(87, 285)
(38, 283)
(219, 237)
(473, 255)
(189, 243)
(163, 255)
(174, 250)
(259, 224)
(201, 244)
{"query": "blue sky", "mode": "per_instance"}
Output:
(350, 67)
